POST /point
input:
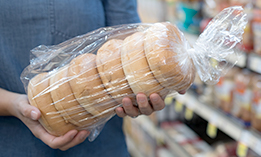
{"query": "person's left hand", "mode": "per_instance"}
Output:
(144, 106)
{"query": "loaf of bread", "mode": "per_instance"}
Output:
(85, 92)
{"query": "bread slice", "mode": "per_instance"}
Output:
(65, 101)
(168, 58)
(136, 67)
(40, 97)
(87, 86)
(109, 66)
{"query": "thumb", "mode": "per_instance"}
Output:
(31, 112)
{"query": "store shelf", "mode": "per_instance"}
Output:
(160, 135)
(225, 123)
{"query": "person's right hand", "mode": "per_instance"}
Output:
(29, 115)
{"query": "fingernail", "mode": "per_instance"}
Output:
(155, 98)
(73, 135)
(84, 136)
(34, 115)
(127, 103)
(141, 99)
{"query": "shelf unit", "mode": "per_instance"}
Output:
(225, 123)
(160, 135)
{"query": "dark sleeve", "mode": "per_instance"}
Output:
(120, 12)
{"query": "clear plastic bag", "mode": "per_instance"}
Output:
(79, 83)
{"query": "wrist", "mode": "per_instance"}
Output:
(15, 103)
(8, 102)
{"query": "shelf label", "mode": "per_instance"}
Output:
(211, 130)
(243, 143)
(168, 100)
(178, 106)
(188, 114)
(242, 149)
(212, 125)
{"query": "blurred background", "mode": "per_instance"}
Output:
(223, 120)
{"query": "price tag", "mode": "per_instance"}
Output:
(212, 130)
(212, 125)
(168, 100)
(188, 114)
(242, 146)
(178, 106)
(242, 149)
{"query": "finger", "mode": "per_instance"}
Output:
(182, 92)
(53, 141)
(129, 109)
(120, 112)
(79, 138)
(157, 102)
(30, 111)
(143, 103)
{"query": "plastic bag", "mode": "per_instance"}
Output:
(79, 83)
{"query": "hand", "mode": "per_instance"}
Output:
(144, 106)
(29, 115)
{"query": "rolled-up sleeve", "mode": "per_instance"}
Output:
(120, 12)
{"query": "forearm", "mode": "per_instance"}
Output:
(6, 102)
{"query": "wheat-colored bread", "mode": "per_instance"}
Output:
(65, 101)
(109, 66)
(88, 88)
(167, 58)
(136, 67)
(40, 97)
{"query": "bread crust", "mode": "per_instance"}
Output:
(88, 88)
(163, 50)
(109, 66)
(40, 97)
(136, 67)
(65, 101)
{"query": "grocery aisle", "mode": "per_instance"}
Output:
(221, 120)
